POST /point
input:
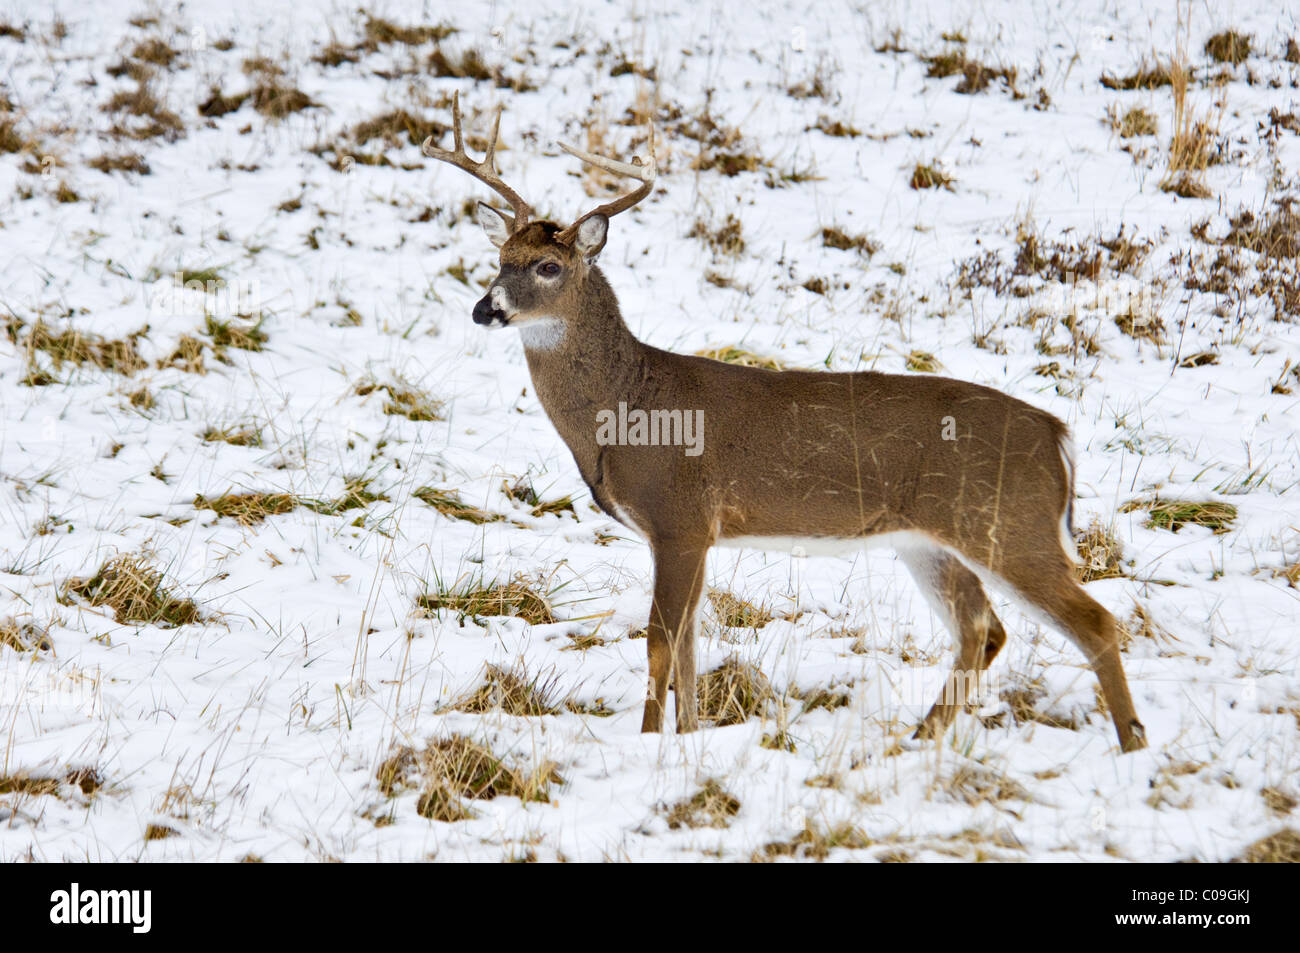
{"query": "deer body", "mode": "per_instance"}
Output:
(966, 482)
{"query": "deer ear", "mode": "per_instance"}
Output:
(592, 232)
(497, 225)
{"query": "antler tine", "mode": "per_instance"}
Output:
(645, 172)
(485, 170)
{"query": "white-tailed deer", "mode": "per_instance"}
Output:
(966, 482)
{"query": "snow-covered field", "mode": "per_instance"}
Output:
(271, 721)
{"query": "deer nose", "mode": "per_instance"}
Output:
(486, 313)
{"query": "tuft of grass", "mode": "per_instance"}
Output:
(160, 832)
(1281, 847)
(135, 592)
(815, 843)
(512, 692)
(728, 239)
(1273, 234)
(522, 491)
(395, 124)
(835, 127)
(1100, 553)
(975, 76)
(129, 162)
(74, 347)
(1132, 122)
(827, 698)
(456, 768)
(735, 613)
(976, 784)
(922, 362)
(380, 32)
(1228, 46)
(404, 399)
(88, 780)
(187, 355)
(473, 598)
(155, 51)
(1146, 76)
(733, 692)
(23, 636)
(1192, 147)
(237, 334)
(930, 177)
(449, 503)
(248, 509)
(141, 115)
(1173, 515)
(738, 355)
(218, 104)
(237, 435)
(711, 806)
(834, 237)
(276, 100)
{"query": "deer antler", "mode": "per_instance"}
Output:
(634, 169)
(484, 171)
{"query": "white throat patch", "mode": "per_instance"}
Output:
(541, 334)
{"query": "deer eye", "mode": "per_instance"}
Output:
(548, 269)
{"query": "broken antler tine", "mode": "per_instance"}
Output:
(455, 121)
(490, 159)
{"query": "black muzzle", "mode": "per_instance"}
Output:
(487, 315)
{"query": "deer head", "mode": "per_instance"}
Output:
(543, 266)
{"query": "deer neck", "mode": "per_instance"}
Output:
(583, 363)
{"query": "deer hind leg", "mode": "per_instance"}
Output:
(679, 581)
(1054, 590)
(956, 596)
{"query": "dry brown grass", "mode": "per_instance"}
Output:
(733, 692)
(976, 783)
(1101, 554)
(735, 613)
(187, 356)
(1146, 76)
(237, 435)
(449, 503)
(74, 347)
(1132, 122)
(523, 491)
(23, 636)
(1192, 147)
(141, 115)
(930, 176)
(711, 806)
(134, 590)
(239, 334)
(1281, 847)
(728, 239)
(975, 76)
(404, 399)
(472, 598)
(1173, 515)
(450, 770)
(276, 100)
(87, 780)
(814, 843)
(512, 692)
(128, 162)
(395, 125)
(1228, 46)
(834, 237)
(738, 355)
(248, 509)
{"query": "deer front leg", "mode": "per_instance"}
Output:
(679, 580)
